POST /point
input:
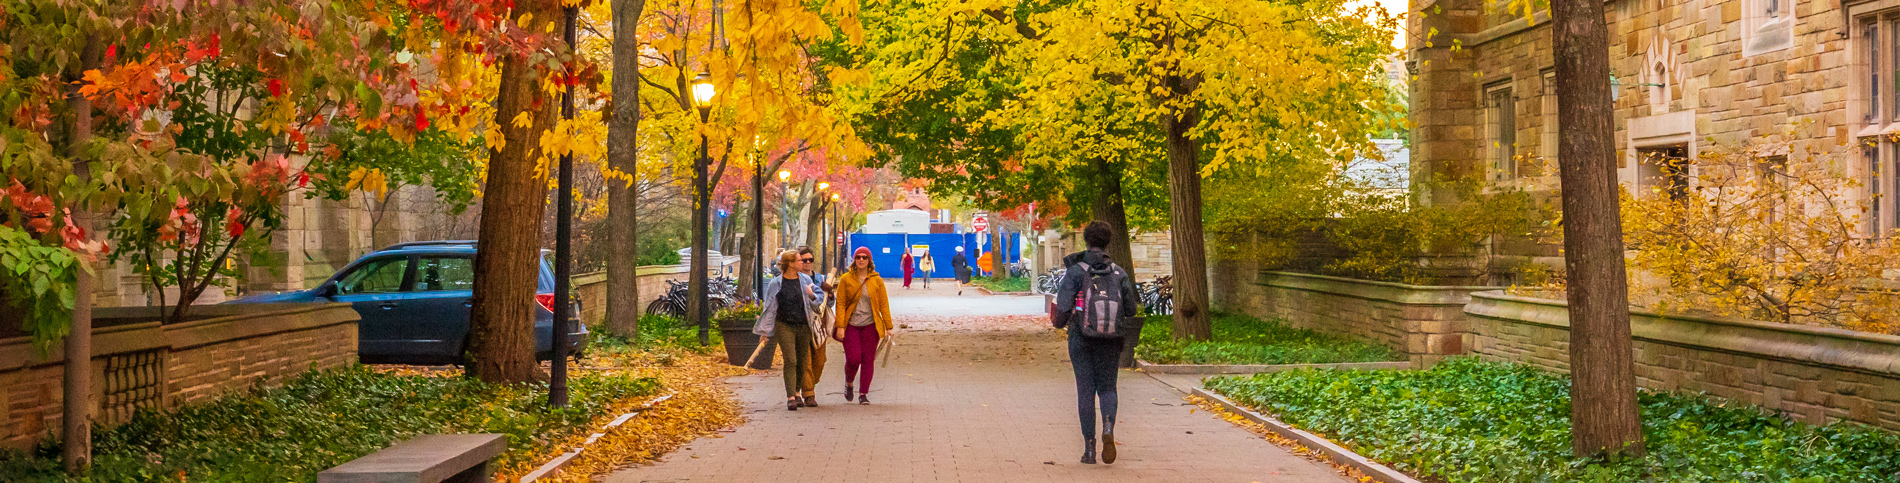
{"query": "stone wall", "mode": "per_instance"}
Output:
(1810, 373)
(592, 289)
(1427, 323)
(1153, 252)
(142, 364)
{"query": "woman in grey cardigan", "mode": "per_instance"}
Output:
(786, 316)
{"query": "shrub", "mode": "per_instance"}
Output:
(1471, 420)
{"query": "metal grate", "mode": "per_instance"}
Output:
(133, 381)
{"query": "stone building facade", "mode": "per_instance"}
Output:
(1768, 79)
(319, 237)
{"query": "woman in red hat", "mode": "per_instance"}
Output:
(865, 308)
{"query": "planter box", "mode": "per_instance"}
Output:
(1817, 374)
(741, 342)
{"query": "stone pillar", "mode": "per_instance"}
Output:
(1446, 109)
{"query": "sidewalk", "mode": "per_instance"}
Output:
(971, 398)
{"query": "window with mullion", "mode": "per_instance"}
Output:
(1889, 199)
(1870, 39)
(1892, 67)
(1870, 160)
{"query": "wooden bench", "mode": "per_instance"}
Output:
(429, 458)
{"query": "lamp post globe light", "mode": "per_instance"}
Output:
(784, 209)
(703, 92)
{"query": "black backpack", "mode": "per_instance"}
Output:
(1098, 302)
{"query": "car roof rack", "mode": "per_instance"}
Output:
(430, 243)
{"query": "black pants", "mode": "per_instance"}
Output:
(1094, 361)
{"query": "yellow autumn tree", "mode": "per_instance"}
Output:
(1209, 88)
(755, 55)
(1764, 236)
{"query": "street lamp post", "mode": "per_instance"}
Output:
(757, 226)
(836, 240)
(563, 249)
(784, 207)
(824, 229)
(703, 92)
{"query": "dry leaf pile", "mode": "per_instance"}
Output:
(700, 405)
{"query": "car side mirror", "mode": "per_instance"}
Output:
(326, 290)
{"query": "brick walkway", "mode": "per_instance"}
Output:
(971, 398)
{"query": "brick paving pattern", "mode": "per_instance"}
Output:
(976, 398)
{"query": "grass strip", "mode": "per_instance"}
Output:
(1241, 339)
(1467, 420)
(1011, 284)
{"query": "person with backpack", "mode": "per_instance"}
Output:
(1096, 303)
(961, 265)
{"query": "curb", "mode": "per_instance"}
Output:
(562, 461)
(1339, 454)
(1263, 368)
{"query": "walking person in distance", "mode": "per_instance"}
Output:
(927, 265)
(905, 264)
(961, 265)
(1094, 302)
(866, 309)
(785, 315)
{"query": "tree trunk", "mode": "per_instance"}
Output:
(1191, 320)
(76, 391)
(623, 131)
(751, 261)
(1109, 208)
(814, 215)
(508, 264)
(997, 253)
(1603, 411)
(696, 306)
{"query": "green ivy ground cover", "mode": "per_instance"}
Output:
(1240, 339)
(657, 333)
(1467, 420)
(324, 418)
(1012, 284)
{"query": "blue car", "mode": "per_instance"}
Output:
(414, 299)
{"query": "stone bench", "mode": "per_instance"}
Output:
(429, 458)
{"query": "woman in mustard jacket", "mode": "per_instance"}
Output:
(865, 309)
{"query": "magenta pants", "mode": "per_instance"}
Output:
(860, 351)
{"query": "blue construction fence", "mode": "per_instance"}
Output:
(888, 249)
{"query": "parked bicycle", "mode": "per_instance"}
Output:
(1157, 296)
(678, 294)
(1049, 281)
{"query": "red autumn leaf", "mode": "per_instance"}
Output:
(303, 179)
(422, 123)
(233, 223)
(276, 87)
